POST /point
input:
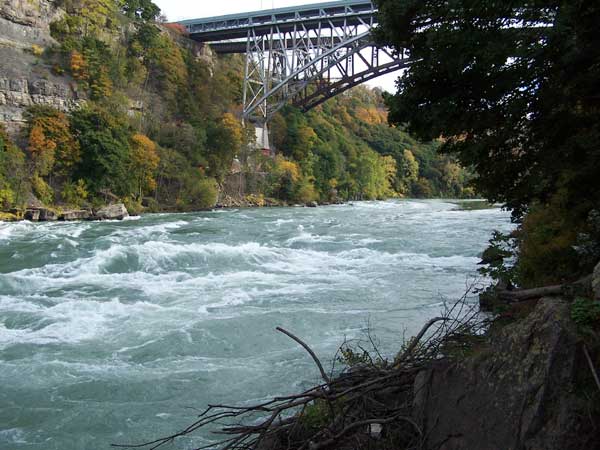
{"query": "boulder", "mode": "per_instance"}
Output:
(596, 282)
(519, 392)
(80, 214)
(32, 215)
(48, 215)
(312, 204)
(116, 211)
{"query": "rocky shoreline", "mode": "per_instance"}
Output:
(116, 211)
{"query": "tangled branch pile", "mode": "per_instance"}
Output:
(368, 405)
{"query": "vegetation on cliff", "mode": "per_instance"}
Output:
(161, 126)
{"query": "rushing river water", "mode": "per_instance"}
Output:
(110, 331)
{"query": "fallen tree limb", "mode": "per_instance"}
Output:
(545, 291)
(415, 341)
(309, 350)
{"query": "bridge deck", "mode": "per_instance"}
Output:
(234, 26)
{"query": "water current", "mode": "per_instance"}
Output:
(113, 332)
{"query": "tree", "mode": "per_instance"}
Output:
(141, 9)
(13, 172)
(144, 162)
(106, 153)
(512, 87)
(51, 144)
(225, 140)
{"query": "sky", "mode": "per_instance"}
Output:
(194, 9)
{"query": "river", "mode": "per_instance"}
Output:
(111, 332)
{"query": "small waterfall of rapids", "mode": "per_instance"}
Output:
(110, 331)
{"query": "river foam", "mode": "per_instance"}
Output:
(113, 326)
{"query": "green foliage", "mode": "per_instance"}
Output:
(588, 242)
(75, 193)
(141, 9)
(42, 190)
(499, 258)
(13, 173)
(547, 239)
(106, 154)
(585, 313)
(7, 198)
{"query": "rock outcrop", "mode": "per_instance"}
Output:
(79, 214)
(117, 211)
(519, 393)
(25, 79)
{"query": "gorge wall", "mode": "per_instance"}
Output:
(24, 79)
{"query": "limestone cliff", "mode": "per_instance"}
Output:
(25, 79)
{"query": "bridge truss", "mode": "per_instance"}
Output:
(303, 55)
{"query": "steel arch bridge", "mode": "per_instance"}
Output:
(303, 55)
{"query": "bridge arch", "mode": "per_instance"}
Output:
(301, 55)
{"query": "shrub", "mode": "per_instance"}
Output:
(585, 313)
(42, 190)
(7, 198)
(75, 194)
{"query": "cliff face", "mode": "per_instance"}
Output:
(24, 78)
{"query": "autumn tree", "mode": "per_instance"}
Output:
(51, 144)
(78, 65)
(224, 143)
(144, 162)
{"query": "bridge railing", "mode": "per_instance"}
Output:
(350, 12)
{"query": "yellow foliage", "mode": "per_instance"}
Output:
(144, 161)
(234, 128)
(286, 167)
(371, 115)
(37, 50)
(79, 66)
(102, 86)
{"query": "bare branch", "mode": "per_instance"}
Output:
(310, 352)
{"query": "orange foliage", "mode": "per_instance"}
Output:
(177, 28)
(79, 66)
(50, 140)
(42, 150)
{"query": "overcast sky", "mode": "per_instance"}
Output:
(192, 9)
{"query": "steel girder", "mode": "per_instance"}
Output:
(306, 65)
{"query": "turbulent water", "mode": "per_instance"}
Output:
(110, 332)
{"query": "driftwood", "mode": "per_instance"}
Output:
(520, 295)
(346, 406)
(591, 366)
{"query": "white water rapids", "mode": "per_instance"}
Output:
(110, 331)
